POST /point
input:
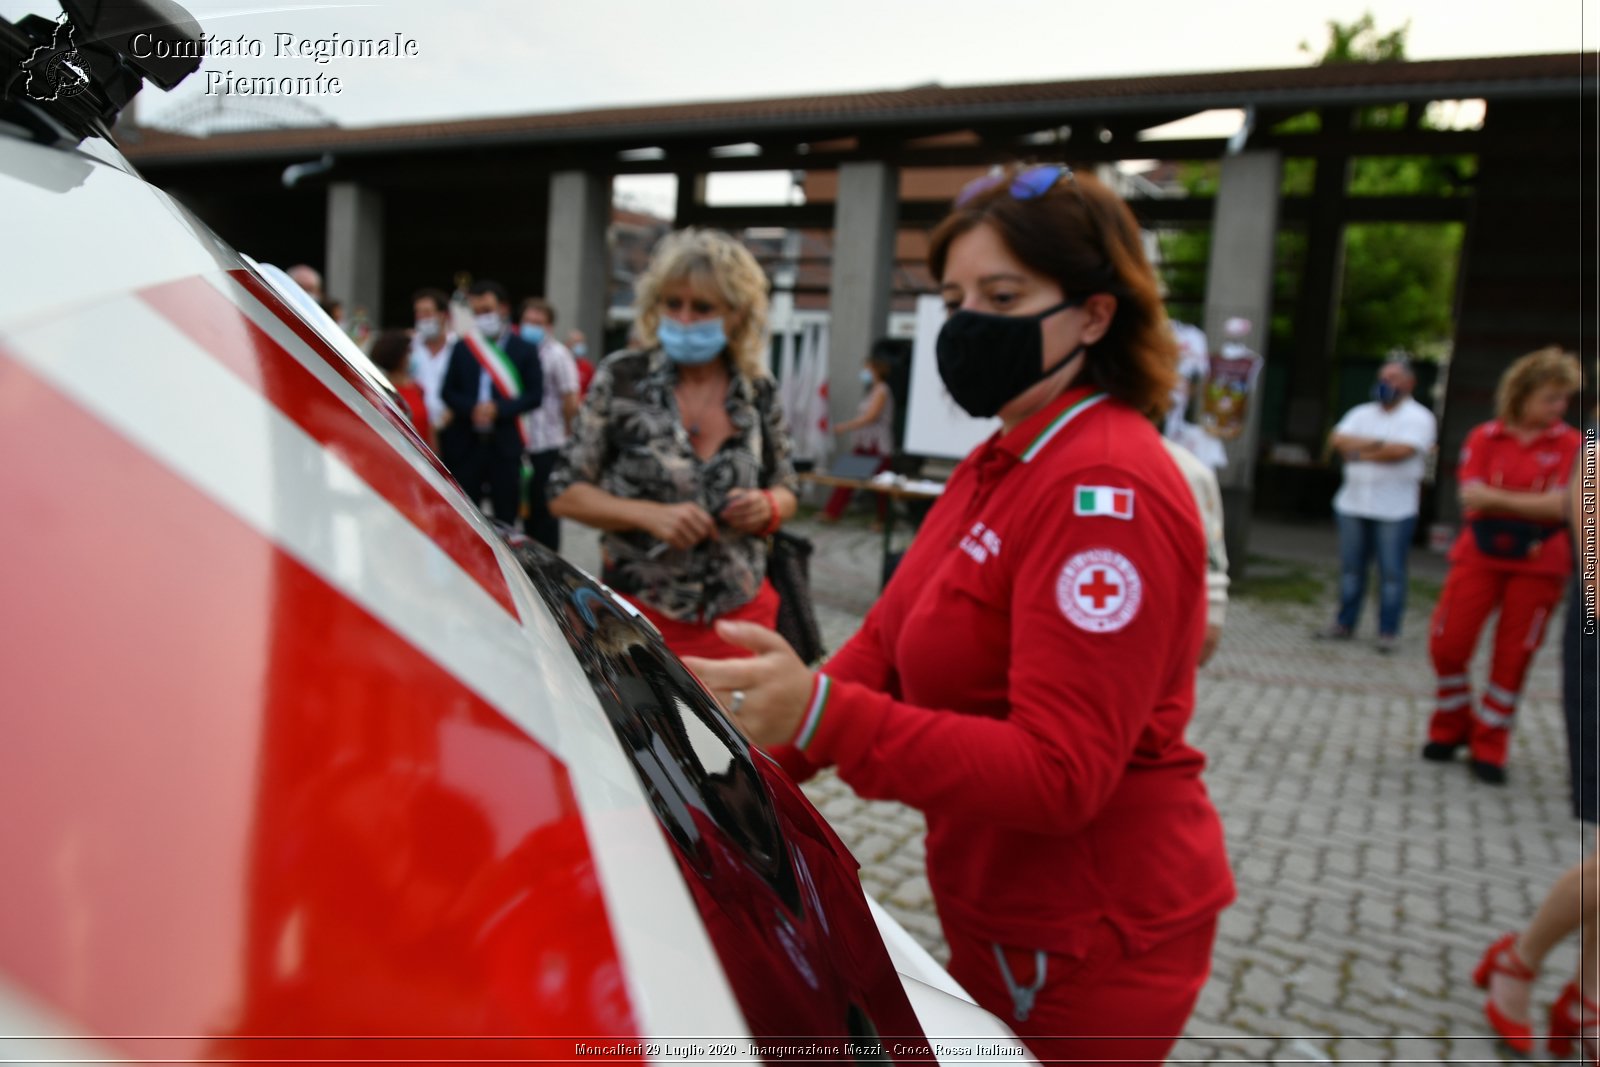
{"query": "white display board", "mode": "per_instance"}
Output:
(935, 425)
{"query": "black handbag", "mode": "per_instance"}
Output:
(789, 571)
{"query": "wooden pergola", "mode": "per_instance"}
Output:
(527, 198)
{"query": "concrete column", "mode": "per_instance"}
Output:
(1316, 310)
(1239, 283)
(691, 198)
(355, 248)
(864, 222)
(577, 259)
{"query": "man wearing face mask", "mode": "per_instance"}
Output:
(492, 379)
(546, 426)
(431, 344)
(1384, 444)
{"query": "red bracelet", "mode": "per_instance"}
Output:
(777, 519)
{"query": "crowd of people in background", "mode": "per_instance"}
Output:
(496, 400)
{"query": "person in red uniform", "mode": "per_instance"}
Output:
(1513, 553)
(1027, 677)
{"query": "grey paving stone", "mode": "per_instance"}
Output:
(1369, 881)
(1355, 1050)
(913, 893)
(873, 848)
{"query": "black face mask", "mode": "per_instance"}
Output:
(987, 360)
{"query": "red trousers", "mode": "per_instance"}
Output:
(1470, 594)
(1102, 1007)
(690, 639)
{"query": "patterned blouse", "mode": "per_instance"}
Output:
(629, 440)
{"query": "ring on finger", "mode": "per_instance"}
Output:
(737, 702)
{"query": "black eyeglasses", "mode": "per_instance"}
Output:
(1027, 184)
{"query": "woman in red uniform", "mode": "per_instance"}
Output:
(1511, 555)
(1028, 685)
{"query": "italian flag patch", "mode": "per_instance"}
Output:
(1102, 500)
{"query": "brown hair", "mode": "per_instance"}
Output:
(1529, 374)
(437, 297)
(537, 303)
(1083, 237)
(391, 350)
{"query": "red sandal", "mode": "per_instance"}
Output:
(1502, 958)
(1566, 1026)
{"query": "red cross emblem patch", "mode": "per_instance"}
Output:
(1099, 590)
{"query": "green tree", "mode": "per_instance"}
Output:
(1360, 42)
(1399, 278)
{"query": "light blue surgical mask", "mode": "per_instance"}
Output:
(699, 342)
(580, 350)
(489, 324)
(867, 378)
(532, 334)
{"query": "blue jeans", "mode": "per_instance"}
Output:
(1359, 540)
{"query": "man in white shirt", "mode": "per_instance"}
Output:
(431, 342)
(546, 425)
(1385, 444)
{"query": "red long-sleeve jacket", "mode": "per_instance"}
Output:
(1026, 680)
(1493, 455)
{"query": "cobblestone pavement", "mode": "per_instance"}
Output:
(1369, 880)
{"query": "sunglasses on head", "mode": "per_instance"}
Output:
(1026, 184)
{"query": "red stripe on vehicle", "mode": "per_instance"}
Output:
(228, 335)
(329, 355)
(251, 822)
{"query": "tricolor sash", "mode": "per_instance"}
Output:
(490, 356)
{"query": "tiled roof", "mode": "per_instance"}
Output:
(1493, 77)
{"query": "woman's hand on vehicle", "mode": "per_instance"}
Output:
(680, 525)
(765, 695)
(747, 510)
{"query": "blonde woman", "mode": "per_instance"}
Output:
(680, 452)
(1513, 554)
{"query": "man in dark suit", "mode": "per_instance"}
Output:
(482, 444)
